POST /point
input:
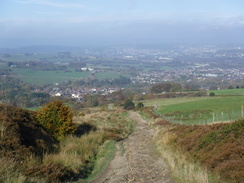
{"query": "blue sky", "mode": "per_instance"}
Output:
(104, 22)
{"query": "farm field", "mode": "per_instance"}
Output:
(2, 65)
(44, 77)
(107, 75)
(200, 110)
(228, 92)
(169, 101)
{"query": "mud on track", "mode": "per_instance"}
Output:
(136, 159)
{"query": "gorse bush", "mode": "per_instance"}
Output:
(129, 104)
(139, 105)
(56, 118)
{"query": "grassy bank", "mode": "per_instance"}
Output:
(88, 155)
(203, 153)
(30, 154)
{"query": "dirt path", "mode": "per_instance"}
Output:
(136, 159)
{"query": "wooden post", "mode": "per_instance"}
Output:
(242, 111)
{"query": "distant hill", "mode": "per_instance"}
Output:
(40, 49)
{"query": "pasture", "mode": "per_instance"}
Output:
(239, 91)
(40, 77)
(44, 77)
(199, 110)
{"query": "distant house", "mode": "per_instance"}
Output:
(58, 94)
(75, 95)
(84, 69)
(87, 69)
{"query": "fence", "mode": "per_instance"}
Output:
(224, 116)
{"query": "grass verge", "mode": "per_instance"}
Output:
(78, 154)
(181, 168)
(104, 156)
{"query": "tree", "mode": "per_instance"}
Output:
(214, 87)
(212, 94)
(56, 118)
(230, 87)
(157, 88)
(162, 87)
(175, 87)
(140, 105)
(128, 105)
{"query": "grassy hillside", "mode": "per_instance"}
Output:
(29, 154)
(170, 101)
(23, 143)
(204, 153)
(201, 153)
(228, 92)
(199, 110)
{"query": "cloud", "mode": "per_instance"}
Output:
(53, 4)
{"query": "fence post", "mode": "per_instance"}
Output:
(242, 111)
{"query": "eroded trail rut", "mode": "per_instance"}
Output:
(136, 159)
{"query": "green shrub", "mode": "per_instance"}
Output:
(129, 104)
(140, 105)
(212, 94)
(56, 118)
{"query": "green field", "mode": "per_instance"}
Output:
(169, 101)
(3, 65)
(199, 110)
(44, 77)
(228, 92)
(107, 75)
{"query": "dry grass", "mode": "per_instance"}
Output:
(78, 154)
(85, 155)
(2, 129)
(8, 170)
(115, 123)
(180, 166)
(29, 154)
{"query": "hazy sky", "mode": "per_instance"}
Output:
(102, 22)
